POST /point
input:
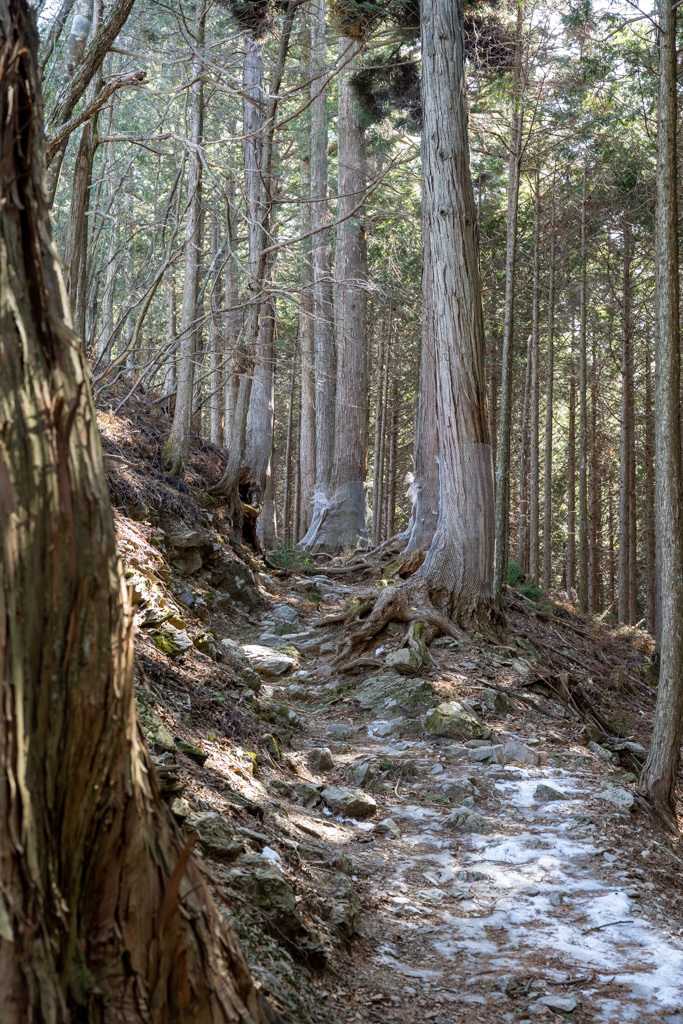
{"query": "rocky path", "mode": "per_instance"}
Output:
(502, 871)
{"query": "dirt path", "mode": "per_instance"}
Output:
(551, 904)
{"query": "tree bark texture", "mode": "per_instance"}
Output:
(534, 431)
(178, 445)
(307, 474)
(549, 397)
(459, 565)
(626, 444)
(583, 415)
(104, 914)
(345, 527)
(658, 779)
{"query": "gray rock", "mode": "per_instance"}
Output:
(306, 793)
(464, 819)
(473, 744)
(509, 983)
(564, 1004)
(215, 836)
(545, 793)
(516, 751)
(391, 689)
(456, 752)
(387, 828)
(454, 720)
(339, 731)
(236, 581)
(268, 662)
(404, 661)
(457, 789)
(623, 798)
(285, 613)
(180, 809)
(404, 728)
(493, 755)
(603, 753)
(349, 803)
(269, 891)
(360, 774)
(346, 908)
(321, 758)
(181, 539)
(171, 641)
(497, 702)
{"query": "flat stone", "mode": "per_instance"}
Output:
(387, 828)
(623, 798)
(393, 690)
(267, 661)
(514, 750)
(215, 836)
(349, 803)
(285, 613)
(404, 661)
(454, 720)
(321, 758)
(545, 793)
(464, 819)
(404, 728)
(493, 754)
(563, 1004)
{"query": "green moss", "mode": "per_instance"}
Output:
(253, 757)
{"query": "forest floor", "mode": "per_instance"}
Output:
(376, 870)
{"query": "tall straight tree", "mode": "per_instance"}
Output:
(345, 525)
(323, 314)
(583, 411)
(658, 779)
(505, 421)
(534, 451)
(104, 914)
(455, 581)
(178, 445)
(626, 483)
(550, 372)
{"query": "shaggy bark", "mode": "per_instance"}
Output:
(658, 779)
(104, 914)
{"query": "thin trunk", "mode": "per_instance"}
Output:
(233, 319)
(550, 370)
(595, 564)
(522, 532)
(658, 778)
(534, 441)
(377, 464)
(583, 414)
(287, 486)
(390, 516)
(217, 340)
(177, 447)
(505, 416)
(571, 475)
(626, 483)
(650, 606)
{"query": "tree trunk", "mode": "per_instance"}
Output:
(323, 323)
(522, 532)
(177, 447)
(457, 571)
(650, 607)
(626, 483)
(260, 421)
(595, 564)
(658, 779)
(571, 475)
(550, 370)
(289, 452)
(390, 514)
(583, 415)
(377, 449)
(105, 914)
(217, 340)
(233, 320)
(534, 441)
(345, 525)
(306, 345)
(505, 419)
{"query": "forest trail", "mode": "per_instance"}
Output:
(554, 907)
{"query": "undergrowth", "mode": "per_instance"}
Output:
(517, 579)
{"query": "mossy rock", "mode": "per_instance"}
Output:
(172, 642)
(153, 729)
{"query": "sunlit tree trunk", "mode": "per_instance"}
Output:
(306, 346)
(105, 915)
(583, 415)
(625, 462)
(658, 779)
(177, 447)
(549, 405)
(505, 417)
(571, 474)
(534, 440)
(650, 606)
(523, 516)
